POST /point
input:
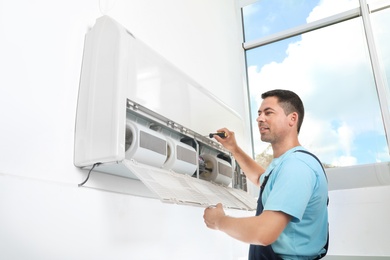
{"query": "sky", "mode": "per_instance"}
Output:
(329, 69)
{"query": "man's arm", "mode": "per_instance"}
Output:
(250, 167)
(258, 230)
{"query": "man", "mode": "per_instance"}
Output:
(291, 221)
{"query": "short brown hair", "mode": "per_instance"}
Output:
(289, 101)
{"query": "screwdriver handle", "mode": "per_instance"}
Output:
(220, 134)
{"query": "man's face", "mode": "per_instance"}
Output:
(272, 121)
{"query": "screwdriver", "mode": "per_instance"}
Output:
(220, 134)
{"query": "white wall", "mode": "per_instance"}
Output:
(359, 222)
(44, 215)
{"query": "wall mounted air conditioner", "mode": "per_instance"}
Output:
(141, 118)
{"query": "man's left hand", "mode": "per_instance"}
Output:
(212, 216)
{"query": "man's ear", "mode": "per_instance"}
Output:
(293, 118)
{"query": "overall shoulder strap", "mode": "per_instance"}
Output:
(318, 160)
(315, 157)
(265, 180)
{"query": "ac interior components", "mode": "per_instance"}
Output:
(140, 117)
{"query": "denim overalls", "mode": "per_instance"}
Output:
(257, 252)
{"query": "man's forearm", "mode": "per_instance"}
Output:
(258, 230)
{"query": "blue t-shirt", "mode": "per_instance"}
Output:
(298, 187)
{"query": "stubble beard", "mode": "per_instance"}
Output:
(266, 138)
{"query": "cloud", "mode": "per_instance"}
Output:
(344, 161)
(328, 8)
(330, 69)
(346, 136)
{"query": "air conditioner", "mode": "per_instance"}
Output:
(141, 118)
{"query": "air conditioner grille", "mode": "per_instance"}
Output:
(152, 143)
(186, 155)
(224, 169)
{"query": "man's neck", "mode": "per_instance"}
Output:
(280, 148)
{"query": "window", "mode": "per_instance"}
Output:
(380, 20)
(319, 50)
(264, 18)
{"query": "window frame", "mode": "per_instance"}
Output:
(346, 177)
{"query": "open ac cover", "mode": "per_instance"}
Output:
(141, 118)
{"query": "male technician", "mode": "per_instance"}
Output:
(291, 221)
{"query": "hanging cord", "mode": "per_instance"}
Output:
(89, 173)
